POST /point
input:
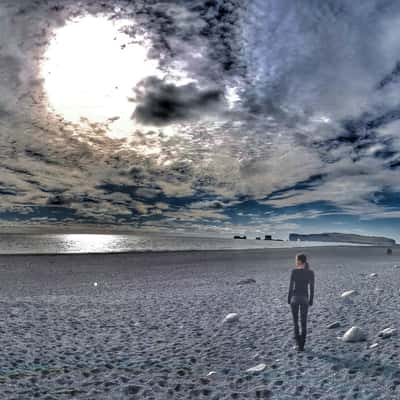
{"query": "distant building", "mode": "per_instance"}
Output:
(268, 237)
(258, 238)
(239, 237)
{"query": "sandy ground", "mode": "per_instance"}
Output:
(152, 327)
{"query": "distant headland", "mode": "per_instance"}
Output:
(343, 237)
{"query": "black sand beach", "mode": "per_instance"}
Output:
(152, 327)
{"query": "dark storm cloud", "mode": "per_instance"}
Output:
(161, 103)
(222, 28)
(392, 78)
(180, 29)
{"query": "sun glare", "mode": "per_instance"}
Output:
(90, 69)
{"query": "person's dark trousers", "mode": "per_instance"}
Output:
(302, 308)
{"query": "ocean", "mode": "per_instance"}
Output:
(52, 243)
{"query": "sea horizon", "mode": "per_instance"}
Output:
(71, 243)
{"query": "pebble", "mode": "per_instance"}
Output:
(387, 332)
(354, 334)
(132, 389)
(349, 293)
(231, 317)
(257, 368)
(246, 281)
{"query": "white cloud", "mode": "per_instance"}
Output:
(307, 67)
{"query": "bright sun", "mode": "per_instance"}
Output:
(90, 69)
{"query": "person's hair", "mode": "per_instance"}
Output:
(303, 258)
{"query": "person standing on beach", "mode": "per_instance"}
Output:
(299, 299)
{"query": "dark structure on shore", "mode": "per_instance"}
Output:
(268, 237)
(239, 237)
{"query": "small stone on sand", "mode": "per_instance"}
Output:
(348, 293)
(354, 334)
(387, 332)
(257, 368)
(246, 281)
(231, 317)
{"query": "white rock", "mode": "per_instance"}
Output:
(257, 368)
(95, 283)
(348, 293)
(211, 373)
(387, 332)
(373, 275)
(354, 334)
(231, 317)
(373, 345)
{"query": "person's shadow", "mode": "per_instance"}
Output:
(369, 368)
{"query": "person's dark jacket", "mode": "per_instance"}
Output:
(300, 279)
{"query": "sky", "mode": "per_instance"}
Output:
(215, 117)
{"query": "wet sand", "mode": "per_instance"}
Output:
(152, 327)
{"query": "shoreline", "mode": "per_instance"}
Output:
(266, 249)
